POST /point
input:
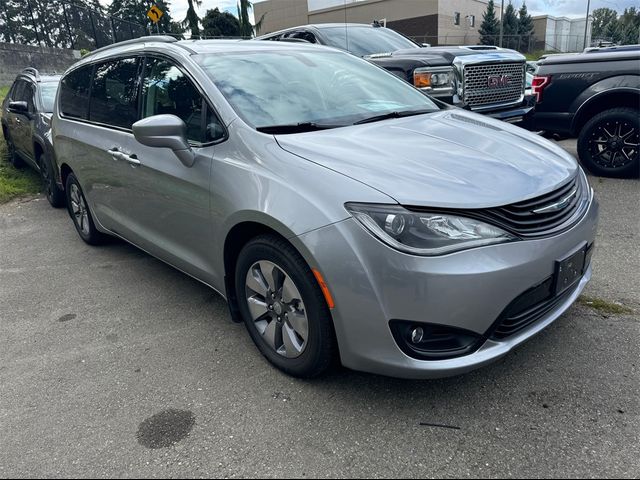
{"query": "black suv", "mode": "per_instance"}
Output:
(481, 78)
(594, 96)
(26, 126)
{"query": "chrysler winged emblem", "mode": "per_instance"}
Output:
(559, 205)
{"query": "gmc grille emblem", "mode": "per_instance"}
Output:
(496, 81)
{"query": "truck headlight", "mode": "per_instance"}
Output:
(433, 78)
(425, 233)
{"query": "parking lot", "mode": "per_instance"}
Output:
(114, 364)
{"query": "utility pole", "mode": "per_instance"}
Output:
(586, 24)
(501, 22)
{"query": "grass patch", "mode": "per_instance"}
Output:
(604, 307)
(13, 182)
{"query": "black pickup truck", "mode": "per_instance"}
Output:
(594, 96)
(484, 79)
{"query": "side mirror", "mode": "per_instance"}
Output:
(426, 45)
(19, 107)
(165, 131)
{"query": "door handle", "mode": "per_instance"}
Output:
(116, 154)
(132, 159)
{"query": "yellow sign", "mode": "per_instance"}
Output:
(155, 14)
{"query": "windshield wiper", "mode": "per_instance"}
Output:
(296, 128)
(396, 114)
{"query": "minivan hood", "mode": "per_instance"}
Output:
(451, 158)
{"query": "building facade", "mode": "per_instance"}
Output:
(561, 34)
(438, 22)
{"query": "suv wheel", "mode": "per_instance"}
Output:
(609, 144)
(80, 213)
(54, 194)
(283, 307)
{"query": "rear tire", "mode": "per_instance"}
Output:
(608, 144)
(272, 276)
(80, 213)
(55, 195)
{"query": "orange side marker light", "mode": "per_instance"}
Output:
(324, 288)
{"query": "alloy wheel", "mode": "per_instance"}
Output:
(79, 209)
(277, 309)
(614, 144)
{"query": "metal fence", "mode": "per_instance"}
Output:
(62, 24)
(521, 43)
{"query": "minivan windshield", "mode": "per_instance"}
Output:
(48, 95)
(321, 88)
(363, 41)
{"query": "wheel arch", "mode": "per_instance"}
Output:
(624, 97)
(65, 170)
(241, 233)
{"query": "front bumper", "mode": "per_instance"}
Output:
(373, 284)
(517, 115)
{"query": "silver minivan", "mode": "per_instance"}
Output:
(341, 212)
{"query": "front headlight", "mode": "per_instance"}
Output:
(434, 79)
(425, 233)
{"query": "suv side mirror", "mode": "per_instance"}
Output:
(426, 45)
(165, 131)
(19, 107)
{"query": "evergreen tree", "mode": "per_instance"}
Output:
(220, 24)
(246, 29)
(525, 28)
(490, 28)
(510, 27)
(613, 32)
(192, 21)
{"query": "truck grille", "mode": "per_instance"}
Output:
(493, 84)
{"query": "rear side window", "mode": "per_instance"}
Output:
(114, 95)
(74, 93)
(166, 90)
(28, 96)
(16, 90)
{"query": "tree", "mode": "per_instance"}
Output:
(510, 27)
(525, 28)
(629, 25)
(490, 28)
(247, 30)
(613, 32)
(192, 21)
(601, 18)
(220, 24)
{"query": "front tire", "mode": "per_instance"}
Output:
(80, 214)
(608, 144)
(55, 195)
(283, 308)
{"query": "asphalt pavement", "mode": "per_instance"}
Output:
(112, 364)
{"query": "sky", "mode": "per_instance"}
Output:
(558, 8)
(179, 7)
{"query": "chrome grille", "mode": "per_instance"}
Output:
(484, 84)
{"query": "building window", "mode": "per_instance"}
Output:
(456, 18)
(472, 21)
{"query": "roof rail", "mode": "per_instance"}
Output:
(32, 71)
(149, 38)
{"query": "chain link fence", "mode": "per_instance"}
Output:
(62, 24)
(521, 43)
